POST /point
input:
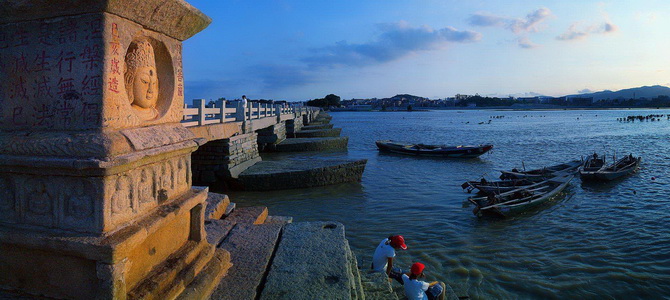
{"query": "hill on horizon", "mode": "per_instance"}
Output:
(648, 92)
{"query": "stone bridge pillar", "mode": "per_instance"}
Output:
(269, 137)
(95, 180)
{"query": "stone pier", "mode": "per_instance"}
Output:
(96, 200)
(219, 161)
(269, 137)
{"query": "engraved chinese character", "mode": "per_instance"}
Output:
(94, 29)
(91, 85)
(42, 88)
(21, 37)
(45, 35)
(67, 32)
(65, 85)
(113, 85)
(65, 60)
(20, 64)
(41, 62)
(90, 113)
(65, 109)
(115, 69)
(19, 90)
(43, 115)
(17, 116)
(91, 56)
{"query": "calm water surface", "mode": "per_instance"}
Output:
(595, 241)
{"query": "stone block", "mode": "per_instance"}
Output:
(316, 127)
(229, 209)
(333, 132)
(217, 230)
(312, 261)
(251, 248)
(217, 204)
(279, 220)
(248, 215)
(286, 174)
(313, 144)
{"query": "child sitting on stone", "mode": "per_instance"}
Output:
(416, 289)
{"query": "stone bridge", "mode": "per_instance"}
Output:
(234, 132)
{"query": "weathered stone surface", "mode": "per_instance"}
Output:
(204, 283)
(313, 144)
(221, 160)
(376, 285)
(251, 248)
(248, 215)
(316, 127)
(313, 261)
(318, 133)
(286, 174)
(293, 126)
(173, 17)
(229, 209)
(217, 204)
(217, 230)
(279, 220)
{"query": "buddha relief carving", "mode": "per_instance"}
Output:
(141, 79)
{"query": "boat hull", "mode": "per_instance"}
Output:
(450, 152)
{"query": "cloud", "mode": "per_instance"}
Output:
(580, 32)
(276, 77)
(531, 23)
(585, 91)
(517, 25)
(396, 40)
(525, 43)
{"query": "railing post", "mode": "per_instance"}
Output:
(184, 117)
(239, 111)
(258, 111)
(200, 104)
(221, 105)
(265, 109)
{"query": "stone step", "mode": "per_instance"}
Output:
(217, 205)
(203, 285)
(313, 261)
(279, 220)
(169, 279)
(251, 248)
(313, 144)
(318, 133)
(217, 230)
(313, 127)
(376, 285)
(250, 215)
(287, 174)
(229, 209)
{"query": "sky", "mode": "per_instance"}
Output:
(305, 49)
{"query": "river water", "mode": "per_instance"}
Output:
(595, 241)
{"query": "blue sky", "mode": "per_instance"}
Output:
(300, 50)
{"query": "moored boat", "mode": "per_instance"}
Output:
(496, 187)
(543, 173)
(592, 165)
(622, 167)
(433, 150)
(520, 200)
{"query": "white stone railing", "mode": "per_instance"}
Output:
(223, 111)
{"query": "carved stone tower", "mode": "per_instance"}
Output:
(95, 182)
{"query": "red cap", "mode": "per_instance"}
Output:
(417, 268)
(397, 241)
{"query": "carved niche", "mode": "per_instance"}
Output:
(141, 79)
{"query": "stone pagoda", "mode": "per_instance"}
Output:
(96, 200)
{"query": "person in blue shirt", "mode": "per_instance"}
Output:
(416, 289)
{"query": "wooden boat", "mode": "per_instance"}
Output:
(622, 167)
(543, 173)
(592, 165)
(495, 187)
(519, 200)
(433, 150)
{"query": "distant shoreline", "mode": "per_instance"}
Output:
(496, 108)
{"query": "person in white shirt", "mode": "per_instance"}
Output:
(382, 260)
(420, 290)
